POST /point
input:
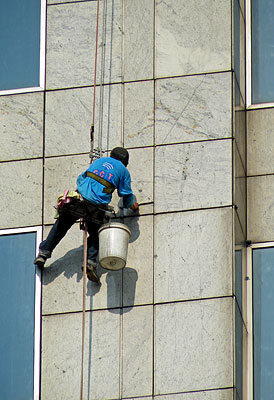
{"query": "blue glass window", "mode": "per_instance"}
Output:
(262, 51)
(17, 304)
(19, 44)
(263, 322)
(239, 324)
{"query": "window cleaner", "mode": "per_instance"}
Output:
(94, 188)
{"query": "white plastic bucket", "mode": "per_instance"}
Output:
(113, 245)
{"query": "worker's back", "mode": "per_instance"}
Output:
(110, 170)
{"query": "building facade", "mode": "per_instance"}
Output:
(174, 86)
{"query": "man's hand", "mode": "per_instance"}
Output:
(135, 206)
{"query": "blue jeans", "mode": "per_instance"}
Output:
(59, 230)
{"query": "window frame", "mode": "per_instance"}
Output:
(248, 363)
(249, 104)
(37, 307)
(41, 86)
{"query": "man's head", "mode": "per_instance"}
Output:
(121, 154)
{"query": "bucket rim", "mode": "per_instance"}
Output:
(118, 225)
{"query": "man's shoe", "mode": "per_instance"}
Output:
(91, 272)
(40, 261)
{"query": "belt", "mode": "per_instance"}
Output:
(109, 187)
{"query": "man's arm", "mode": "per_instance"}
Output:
(125, 191)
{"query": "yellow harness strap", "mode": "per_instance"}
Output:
(109, 187)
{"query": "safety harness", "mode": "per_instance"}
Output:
(109, 187)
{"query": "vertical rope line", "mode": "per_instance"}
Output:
(101, 81)
(123, 76)
(154, 185)
(85, 226)
(84, 310)
(94, 83)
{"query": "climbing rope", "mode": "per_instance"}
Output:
(84, 308)
(101, 83)
(96, 153)
(92, 155)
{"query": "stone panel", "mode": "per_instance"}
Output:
(193, 108)
(240, 129)
(141, 171)
(193, 255)
(195, 35)
(240, 190)
(21, 125)
(21, 184)
(240, 237)
(242, 4)
(193, 175)
(137, 351)
(71, 45)
(140, 398)
(260, 207)
(239, 46)
(63, 279)
(61, 356)
(224, 394)
(193, 346)
(68, 130)
(139, 114)
(260, 136)
(138, 273)
(138, 39)
(60, 174)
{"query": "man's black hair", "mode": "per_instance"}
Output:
(121, 154)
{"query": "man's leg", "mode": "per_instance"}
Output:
(92, 252)
(57, 232)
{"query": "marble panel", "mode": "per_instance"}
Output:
(239, 37)
(60, 174)
(240, 190)
(239, 234)
(260, 207)
(260, 139)
(139, 114)
(138, 273)
(137, 351)
(146, 209)
(240, 128)
(193, 175)
(192, 50)
(224, 394)
(68, 130)
(193, 255)
(62, 275)
(193, 346)
(193, 108)
(21, 184)
(140, 398)
(71, 40)
(141, 171)
(242, 5)
(138, 39)
(63, 279)
(21, 125)
(61, 356)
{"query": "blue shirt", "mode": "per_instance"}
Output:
(114, 172)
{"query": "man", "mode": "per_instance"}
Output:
(96, 186)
